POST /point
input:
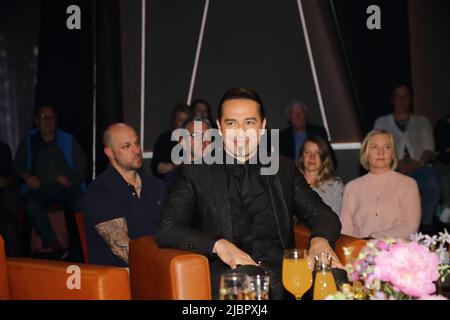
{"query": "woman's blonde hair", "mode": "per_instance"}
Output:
(326, 170)
(364, 152)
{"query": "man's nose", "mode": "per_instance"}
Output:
(136, 148)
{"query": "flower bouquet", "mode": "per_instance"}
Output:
(437, 243)
(394, 269)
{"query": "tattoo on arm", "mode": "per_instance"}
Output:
(115, 233)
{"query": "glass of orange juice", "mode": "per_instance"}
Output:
(324, 284)
(296, 274)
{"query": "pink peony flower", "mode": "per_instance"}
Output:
(409, 267)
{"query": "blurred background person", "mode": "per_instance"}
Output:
(382, 203)
(316, 165)
(413, 137)
(197, 126)
(442, 140)
(54, 168)
(292, 138)
(201, 108)
(161, 160)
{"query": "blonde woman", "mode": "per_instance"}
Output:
(316, 165)
(382, 203)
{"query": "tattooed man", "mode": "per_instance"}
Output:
(123, 202)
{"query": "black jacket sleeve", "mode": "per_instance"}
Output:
(175, 229)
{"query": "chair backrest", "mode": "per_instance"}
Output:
(79, 218)
(34, 279)
(167, 274)
(4, 288)
(302, 234)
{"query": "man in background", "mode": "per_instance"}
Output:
(292, 138)
(54, 169)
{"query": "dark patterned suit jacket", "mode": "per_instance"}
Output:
(197, 212)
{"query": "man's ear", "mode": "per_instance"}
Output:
(36, 121)
(108, 152)
(218, 127)
(263, 127)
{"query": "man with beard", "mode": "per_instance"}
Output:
(123, 202)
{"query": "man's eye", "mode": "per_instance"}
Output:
(230, 123)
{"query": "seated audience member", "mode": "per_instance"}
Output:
(414, 142)
(161, 161)
(123, 202)
(197, 127)
(382, 203)
(292, 138)
(442, 139)
(317, 167)
(54, 169)
(234, 214)
(9, 202)
(201, 108)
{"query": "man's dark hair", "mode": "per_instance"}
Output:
(181, 107)
(38, 109)
(206, 103)
(402, 84)
(202, 101)
(410, 90)
(241, 93)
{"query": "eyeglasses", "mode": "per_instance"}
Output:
(199, 135)
(46, 117)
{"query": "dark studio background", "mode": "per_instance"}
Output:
(253, 43)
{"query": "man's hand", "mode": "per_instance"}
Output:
(319, 245)
(62, 180)
(33, 182)
(232, 255)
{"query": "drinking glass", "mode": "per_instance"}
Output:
(233, 286)
(297, 276)
(324, 284)
(258, 287)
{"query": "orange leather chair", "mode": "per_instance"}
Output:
(167, 274)
(302, 234)
(182, 275)
(79, 218)
(33, 279)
